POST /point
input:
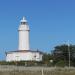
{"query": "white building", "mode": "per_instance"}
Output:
(24, 53)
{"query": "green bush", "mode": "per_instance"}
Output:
(60, 63)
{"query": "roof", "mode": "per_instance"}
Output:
(24, 51)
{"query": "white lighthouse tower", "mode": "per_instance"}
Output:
(23, 35)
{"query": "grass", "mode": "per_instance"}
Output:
(20, 70)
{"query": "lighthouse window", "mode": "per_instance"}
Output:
(22, 22)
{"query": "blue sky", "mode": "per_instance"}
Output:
(52, 22)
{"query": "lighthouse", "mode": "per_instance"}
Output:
(23, 35)
(24, 53)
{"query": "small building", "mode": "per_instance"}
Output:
(24, 53)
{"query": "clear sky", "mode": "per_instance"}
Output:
(52, 22)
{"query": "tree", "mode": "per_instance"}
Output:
(46, 58)
(61, 53)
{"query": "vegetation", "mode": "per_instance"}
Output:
(10, 70)
(60, 56)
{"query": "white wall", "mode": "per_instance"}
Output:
(24, 56)
(23, 37)
(23, 40)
